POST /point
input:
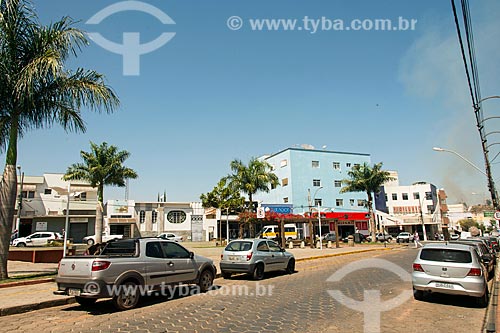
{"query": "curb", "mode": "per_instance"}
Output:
(25, 283)
(70, 300)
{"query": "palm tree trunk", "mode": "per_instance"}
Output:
(372, 217)
(8, 187)
(99, 216)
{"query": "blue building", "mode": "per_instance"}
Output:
(311, 177)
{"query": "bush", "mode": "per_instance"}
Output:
(466, 224)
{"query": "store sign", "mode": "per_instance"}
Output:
(78, 219)
(41, 226)
(489, 214)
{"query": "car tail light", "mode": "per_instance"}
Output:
(100, 265)
(249, 256)
(474, 272)
(417, 268)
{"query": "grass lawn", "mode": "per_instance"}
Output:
(28, 277)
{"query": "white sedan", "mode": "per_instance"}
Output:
(170, 236)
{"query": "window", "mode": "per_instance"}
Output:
(153, 250)
(361, 203)
(28, 194)
(428, 195)
(176, 216)
(446, 255)
(316, 182)
(285, 200)
(351, 202)
(142, 216)
(48, 191)
(274, 247)
(337, 183)
(81, 197)
(348, 165)
(394, 196)
(336, 165)
(154, 216)
(315, 164)
(386, 198)
(174, 250)
(284, 182)
(283, 163)
(318, 202)
(405, 196)
(263, 246)
(416, 195)
(339, 202)
(430, 209)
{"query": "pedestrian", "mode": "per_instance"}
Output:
(416, 240)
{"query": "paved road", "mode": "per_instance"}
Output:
(280, 303)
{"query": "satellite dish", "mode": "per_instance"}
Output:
(324, 147)
(306, 146)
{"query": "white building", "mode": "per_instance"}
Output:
(44, 202)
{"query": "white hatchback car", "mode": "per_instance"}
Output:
(450, 268)
(37, 239)
(170, 236)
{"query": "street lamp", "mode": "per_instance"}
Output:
(20, 204)
(491, 184)
(319, 217)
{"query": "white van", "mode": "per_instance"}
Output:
(271, 232)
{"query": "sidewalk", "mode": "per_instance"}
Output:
(24, 298)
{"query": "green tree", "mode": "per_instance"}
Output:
(466, 224)
(364, 178)
(38, 91)
(250, 179)
(222, 197)
(102, 166)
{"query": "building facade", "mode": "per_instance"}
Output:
(187, 219)
(43, 202)
(310, 178)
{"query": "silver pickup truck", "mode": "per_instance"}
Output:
(128, 269)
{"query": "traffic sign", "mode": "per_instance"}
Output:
(497, 215)
(261, 213)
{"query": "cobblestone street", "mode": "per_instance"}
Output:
(280, 303)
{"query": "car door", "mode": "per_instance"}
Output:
(278, 259)
(263, 253)
(33, 240)
(180, 266)
(156, 265)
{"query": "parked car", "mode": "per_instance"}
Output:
(486, 256)
(329, 237)
(450, 268)
(382, 237)
(40, 238)
(126, 267)
(255, 257)
(454, 236)
(404, 237)
(170, 236)
(90, 240)
(358, 235)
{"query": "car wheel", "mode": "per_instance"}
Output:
(290, 268)
(85, 302)
(258, 272)
(90, 242)
(482, 301)
(226, 275)
(128, 296)
(20, 245)
(418, 294)
(206, 281)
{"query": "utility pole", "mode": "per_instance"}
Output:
(311, 231)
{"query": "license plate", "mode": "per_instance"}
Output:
(74, 292)
(444, 285)
(234, 258)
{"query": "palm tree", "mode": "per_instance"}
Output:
(363, 178)
(224, 198)
(102, 166)
(251, 178)
(37, 91)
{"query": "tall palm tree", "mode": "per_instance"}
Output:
(252, 178)
(38, 91)
(363, 178)
(102, 166)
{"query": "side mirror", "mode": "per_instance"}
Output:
(486, 258)
(191, 255)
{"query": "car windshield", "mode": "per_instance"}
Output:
(239, 246)
(446, 255)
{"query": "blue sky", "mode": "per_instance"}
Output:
(212, 94)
